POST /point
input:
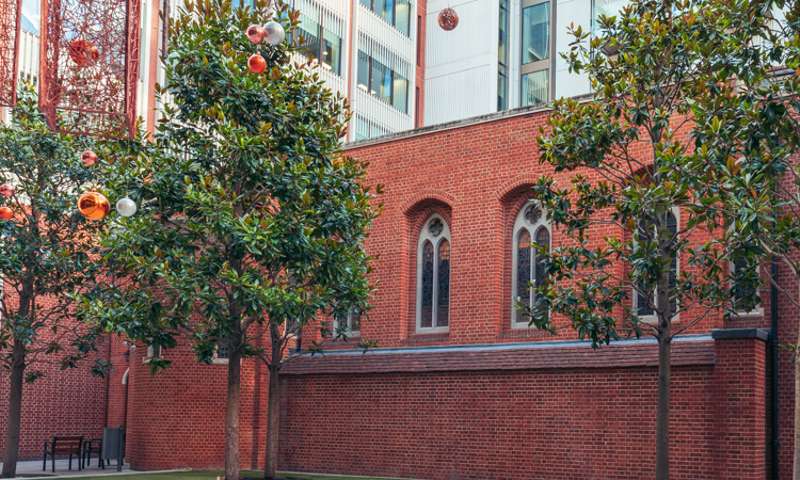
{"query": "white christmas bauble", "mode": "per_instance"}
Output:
(275, 33)
(126, 207)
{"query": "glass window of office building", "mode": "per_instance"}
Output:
(319, 43)
(382, 82)
(536, 46)
(395, 12)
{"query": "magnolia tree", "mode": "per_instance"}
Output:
(47, 257)
(676, 100)
(249, 218)
(762, 186)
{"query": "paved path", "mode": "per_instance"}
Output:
(33, 469)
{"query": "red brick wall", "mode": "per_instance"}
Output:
(560, 422)
(117, 383)
(739, 383)
(480, 175)
(789, 320)
(176, 416)
(556, 422)
(63, 402)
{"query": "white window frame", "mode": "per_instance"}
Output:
(349, 330)
(425, 235)
(522, 223)
(653, 318)
(216, 359)
(757, 311)
(152, 353)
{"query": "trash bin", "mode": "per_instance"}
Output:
(114, 446)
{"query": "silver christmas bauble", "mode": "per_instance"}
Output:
(126, 207)
(275, 34)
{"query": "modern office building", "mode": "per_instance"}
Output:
(366, 50)
(399, 69)
(28, 58)
(504, 54)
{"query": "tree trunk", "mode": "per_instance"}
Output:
(273, 422)
(14, 411)
(662, 411)
(232, 415)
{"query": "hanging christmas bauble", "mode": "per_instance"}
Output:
(256, 63)
(448, 19)
(275, 33)
(126, 207)
(93, 205)
(88, 158)
(255, 33)
(6, 213)
(6, 190)
(83, 52)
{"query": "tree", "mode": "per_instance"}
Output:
(47, 249)
(675, 101)
(250, 218)
(762, 188)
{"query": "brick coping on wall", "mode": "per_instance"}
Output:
(456, 124)
(687, 350)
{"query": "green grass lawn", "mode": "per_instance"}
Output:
(207, 475)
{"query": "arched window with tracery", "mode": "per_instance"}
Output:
(531, 245)
(433, 276)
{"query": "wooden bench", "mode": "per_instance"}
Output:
(66, 445)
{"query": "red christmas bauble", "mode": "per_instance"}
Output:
(448, 19)
(93, 205)
(83, 52)
(6, 213)
(6, 190)
(88, 158)
(256, 63)
(255, 33)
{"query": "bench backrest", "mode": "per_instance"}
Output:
(66, 444)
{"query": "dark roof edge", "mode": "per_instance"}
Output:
(740, 333)
(442, 127)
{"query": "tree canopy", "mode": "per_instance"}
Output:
(250, 219)
(48, 255)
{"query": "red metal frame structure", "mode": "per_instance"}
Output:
(89, 63)
(9, 46)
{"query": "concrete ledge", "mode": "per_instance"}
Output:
(687, 351)
(740, 333)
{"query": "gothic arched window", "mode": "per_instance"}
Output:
(433, 276)
(531, 244)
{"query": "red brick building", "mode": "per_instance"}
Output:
(456, 390)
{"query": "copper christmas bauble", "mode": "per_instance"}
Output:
(256, 63)
(6, 190)
(83, 52)
(93, 205)
(88, 158)
(6, 213)
(255, 33)
(448, 19)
